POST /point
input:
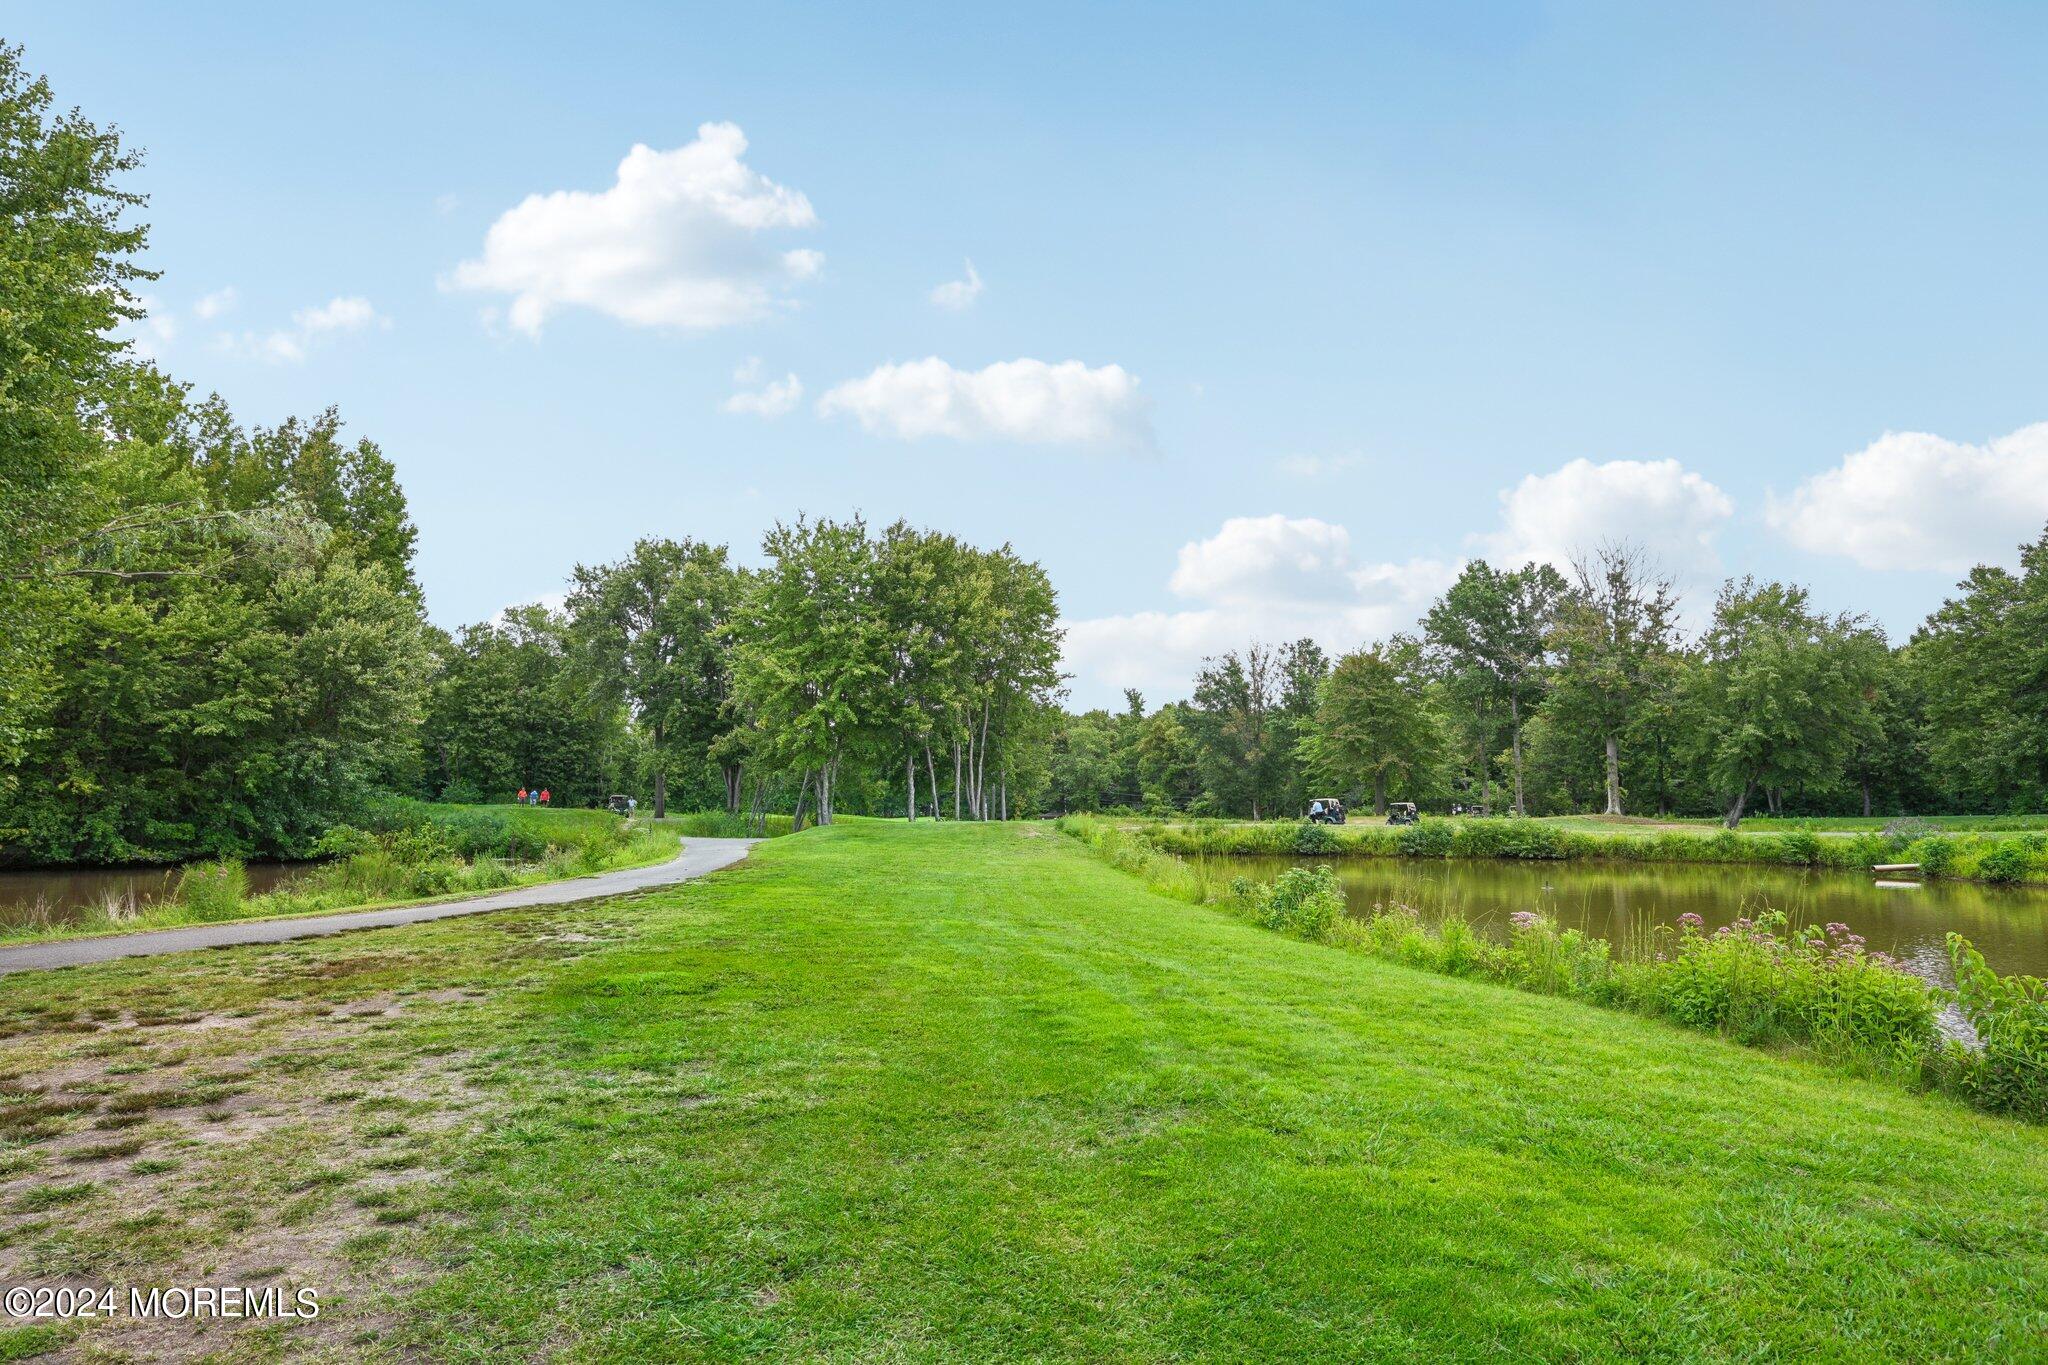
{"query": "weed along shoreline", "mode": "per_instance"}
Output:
(2003, 858)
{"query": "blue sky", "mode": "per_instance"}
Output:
(1282, 311)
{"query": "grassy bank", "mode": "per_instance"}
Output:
(405, 853)
(2007, 858)
(1759, 980)
(965, 1092)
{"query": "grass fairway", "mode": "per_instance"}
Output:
(963, 1092)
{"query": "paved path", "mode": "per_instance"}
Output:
(698, 857)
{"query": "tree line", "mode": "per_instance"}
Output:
(1533, 691)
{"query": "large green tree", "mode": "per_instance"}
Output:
(1980, 664)
(1374, 725)
(1620, 616)
(1787, 691)
(1493, 629)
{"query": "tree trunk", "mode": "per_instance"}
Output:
(803, 792)
(1613, 776)
(1866, 798)
(732, 788)
(932, 782)
(910, 785)
(956, 779)
(1485, 782)
(1515, 727)
(1006, 791)
(660, 776)
(1379, 793)
(1734, 816)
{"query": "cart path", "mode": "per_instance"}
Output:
(698, 857)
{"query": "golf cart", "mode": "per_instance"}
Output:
(1402, 813)
(619, 805)
(1326, 810)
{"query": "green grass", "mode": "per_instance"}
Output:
(966, 1092)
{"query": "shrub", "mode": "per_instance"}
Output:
(1313, 839)
(2008, 1071)
(1305, 901)
(2007, 861)
(1936, 855)
(213, 890)
(1428, 839)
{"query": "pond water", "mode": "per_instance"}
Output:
(1621, 902)
(38, 896)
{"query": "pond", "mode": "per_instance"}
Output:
(1620, 902)
(38, 896)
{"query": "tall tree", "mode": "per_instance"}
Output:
(1374, 725)
(648, 632)
(809, 652)
(1494, 630)
(1620, 615)
(1237, 696)
(1980, 662)
(1788, 690)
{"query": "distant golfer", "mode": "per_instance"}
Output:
(522, 796)
(544, 796)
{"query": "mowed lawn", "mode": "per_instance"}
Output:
(964, 1093)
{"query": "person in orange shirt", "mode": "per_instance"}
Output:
(521, 798)
(543, 796)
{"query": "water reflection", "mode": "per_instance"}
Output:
(65, 895)
(1622, 902)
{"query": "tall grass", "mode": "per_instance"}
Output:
(1973, 857)
(1757, 981)
(719, 824)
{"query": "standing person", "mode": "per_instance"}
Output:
(522, 796)
(544, 796)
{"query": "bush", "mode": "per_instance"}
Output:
(2006, 862)
(213, 890)
(1314, 839)
(1428, 839)
(1305, 901)
(2008, 1071)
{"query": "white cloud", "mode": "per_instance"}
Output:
(288, 345)
(1273, 578)
(211, 306)
(1911, 500)
(151, 332)
(772, 399)
(679, 240)
(958, 294)
(1316, 466)
(1278, 578)
(1014, 400)
(1657, 503)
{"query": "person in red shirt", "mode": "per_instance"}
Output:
(543, 796)
(522, 796)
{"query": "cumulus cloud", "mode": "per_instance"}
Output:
(1911, 500)
(211, 306)
(1026, 400)
(1658, 503)
(289, 345)
(771, 399)
(958, 294)
(1273, 578)
(683, 239)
